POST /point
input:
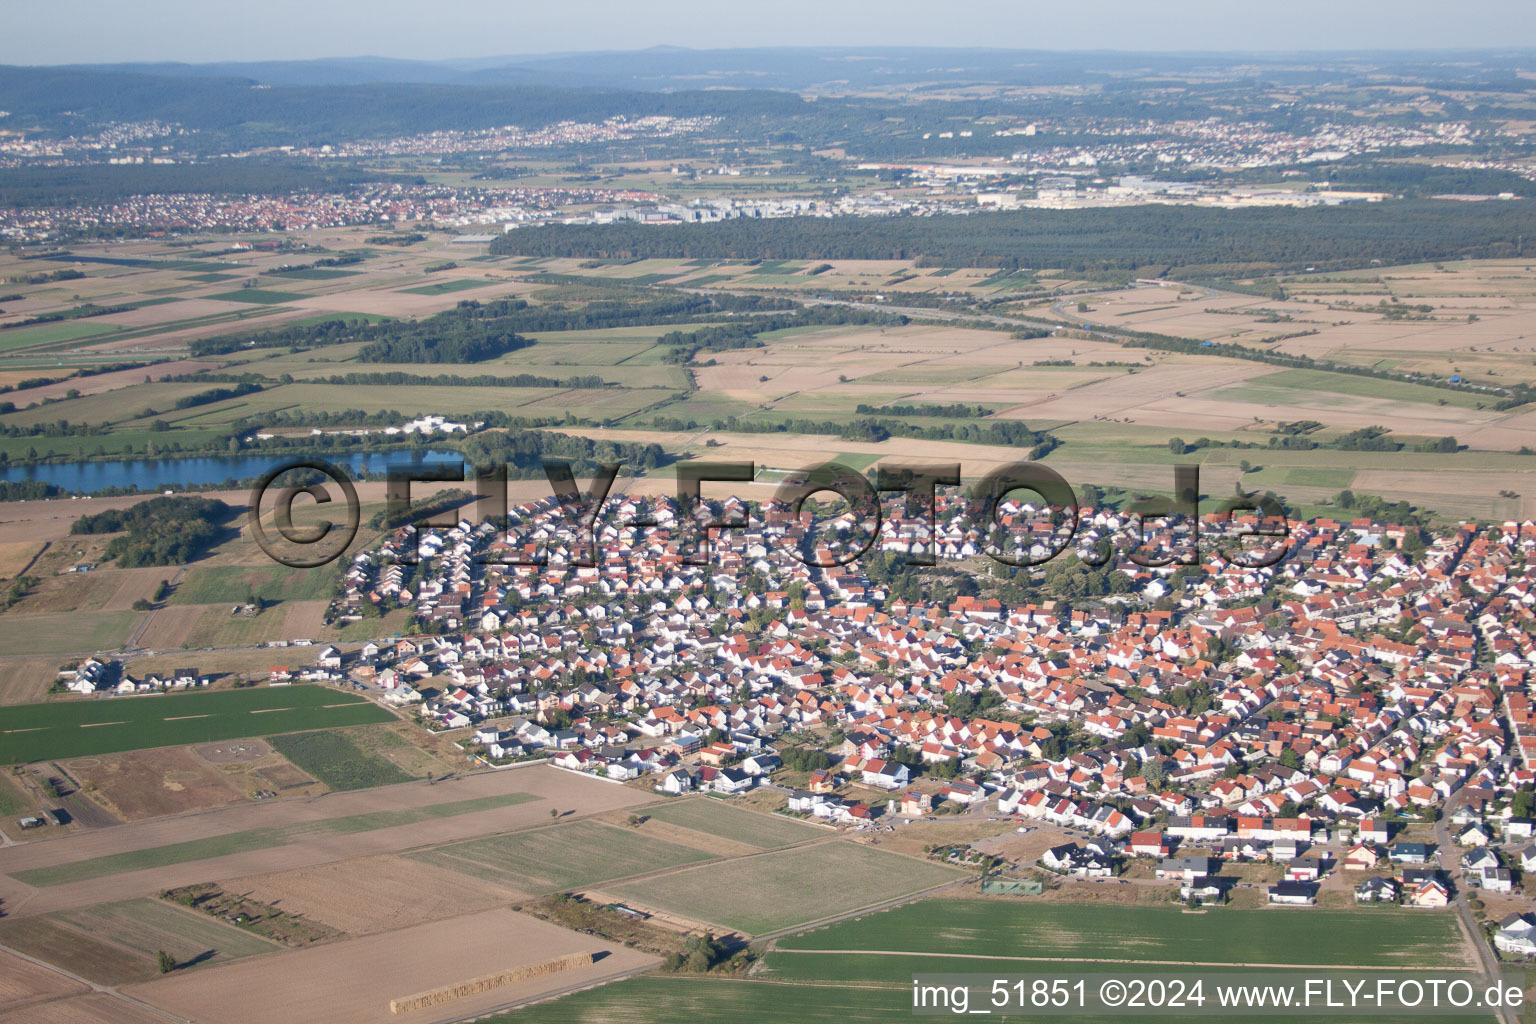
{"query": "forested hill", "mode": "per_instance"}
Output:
(1183, 239)
(236, 108)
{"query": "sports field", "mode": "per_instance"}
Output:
(77, 728)
(560, 857)
(779, 890)
(1373, 937)
(718, 818)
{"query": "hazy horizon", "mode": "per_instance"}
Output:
(182, 31)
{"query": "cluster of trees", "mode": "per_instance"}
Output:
(217, 395)
(408, 346)
(399, 378)
(523, 452)
(441, 502)
(805, 759)
(27, 490)
(744, 333)
(1178, 238)
(1011, 433)
(160, 531)
(957, 411)
(1372, 506)
(1167, 343)
(73, 313)
(470, 330)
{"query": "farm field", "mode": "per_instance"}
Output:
(74, 633)
(148, 784)
(257, 839)
(560, 857)
(353, 980)
(80, 728)
(373, 894)
(93, 866)
(661, 1000)
(22, 982)
(718, 818)
(335, 760)
(683, 1000)
(768, 892)
(227, 584)
(148, 925)
(1333, 938)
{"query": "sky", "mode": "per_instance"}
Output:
(97, 31)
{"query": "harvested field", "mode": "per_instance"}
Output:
(148, 925)
(143, 784)
(718, 818)
(94, 866)
(96, 1008)
(353, 981)
(16, 555)
(105, 963)
(372, 894)
(259, 838)
(561, 856)
(24, 680)
(768, 892)
(72, 633)
(22, 982)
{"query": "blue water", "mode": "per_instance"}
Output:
(153, 474)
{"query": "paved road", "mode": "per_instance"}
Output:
(1450, 864)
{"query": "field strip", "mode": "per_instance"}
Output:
(264, 711)
(97, 725)
(183, 718)
(35, 728)
(255, 839)
(1108, 960)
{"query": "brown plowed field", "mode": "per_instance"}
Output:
(352, 982)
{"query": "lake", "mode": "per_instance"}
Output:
(158, 474)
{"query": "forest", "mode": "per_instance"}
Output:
(160, 531)
(1152, 239)
(229, 110)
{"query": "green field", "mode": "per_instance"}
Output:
(312, 274)
(148, 925)
(256, 296)
(659, 1000)
(63, 633)
(44, 334)
(778, 890)
(335, 760)
(1364, 387)
(256, 839)
(685, 1000)
(227, 584)
(1335, 938)
(79, 728)
(561, 856)
(717, 818)
(444, 287)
